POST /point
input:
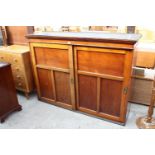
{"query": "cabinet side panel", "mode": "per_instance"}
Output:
(45, 83)
(28, 71)
(87, 92)
(8, 98)
(110, 101)
(62, 84)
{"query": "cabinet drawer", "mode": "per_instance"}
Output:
(18, 77)
(16, 59)
(4, 57)
(19, 80)
(17, 69)
(20, 85)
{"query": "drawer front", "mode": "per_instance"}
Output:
(20, 85)
(17, 69)
(19, 78)
(16, 59)
(17, 63)
(5, 57)
(17, 66)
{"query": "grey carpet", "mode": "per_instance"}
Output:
(39, 115)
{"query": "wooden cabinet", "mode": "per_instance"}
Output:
(16, 34)
(143, 51)
(8, 97)
(19, 58)
(143, 62)
(89, 72)
(141, 87)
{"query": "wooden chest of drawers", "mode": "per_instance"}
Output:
(19, 58)
(89, 72)
(8, 97)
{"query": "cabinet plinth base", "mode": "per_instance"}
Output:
(3, 117)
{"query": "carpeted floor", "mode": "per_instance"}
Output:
(39, 115)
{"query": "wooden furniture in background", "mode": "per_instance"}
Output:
(16, 34)
(8, 97)
(19, 58)
(89, 72)
(145, 55)
(141, 88)
(148, 122)
(131, 29)
(4, 35)
(145, 59)
(104, 28)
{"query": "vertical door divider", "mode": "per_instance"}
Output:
(53, 84)
(72, 79)
(98, 93)
(76, 77)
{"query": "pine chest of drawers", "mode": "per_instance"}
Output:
(19, 58)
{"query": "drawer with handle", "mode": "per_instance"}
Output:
(20, 85)
(18, 75)
(17, 59)
(3, 58)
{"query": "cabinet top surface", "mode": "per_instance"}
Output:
(15, 48)
(87, 36)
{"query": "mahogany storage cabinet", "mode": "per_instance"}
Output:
(88, 72)
(8, 98)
